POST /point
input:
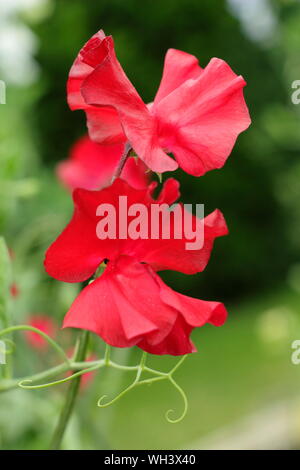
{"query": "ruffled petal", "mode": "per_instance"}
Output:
(167, 251)
(201, 120)
(123, 306)
(81, 68)
(177, 343)
(43, 323)
(169, 192)
(103, 123)
(130, 305)
(108, 85)
(76, 254)
(92, 166)
(192, 313)
(195, 312)
(84, 64)
(78, 251)
(197, 114)
(179, 67)
(135, 173)
(183, 254)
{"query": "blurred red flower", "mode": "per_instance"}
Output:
(43, 323)
(14, 290)
(197, 113)
(91, 166)
(129, 304)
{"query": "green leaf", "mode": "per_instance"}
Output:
(5, 281)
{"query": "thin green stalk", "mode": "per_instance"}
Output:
(71, 394)
(107, 354)
(122, 162)
(6, 385)
(9, 384)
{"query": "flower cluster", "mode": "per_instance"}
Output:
(192, 123)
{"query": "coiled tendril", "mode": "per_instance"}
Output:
(80, 368)
(158, 376)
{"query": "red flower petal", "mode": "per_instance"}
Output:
(135, 173)
(195, 312)
(14, 290)
(77, 252)
(169, 192)
(92, 166)
(130, 305)
(72, 257)
(179, 67)
(81, 68)
(192, 313)
(172, 254)
(103, 123)
(177, 343)
(200, 120)
(108, 85)
(122, 306)
(197, 114)
(43, 323)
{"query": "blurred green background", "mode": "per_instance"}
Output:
(242, 385)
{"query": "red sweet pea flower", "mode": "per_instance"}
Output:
(92, 166)
(14, 290)
(197, 113)
(43, 323)
(129, 304)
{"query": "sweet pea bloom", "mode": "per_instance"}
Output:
(43, 323)
(92, 166)
(197, 113)
(129, 304)
(14, 290)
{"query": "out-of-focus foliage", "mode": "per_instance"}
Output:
(5, 279)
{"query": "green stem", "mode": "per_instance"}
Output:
(122, 162)
(6, 385)
(71, 394)
(107, 354)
